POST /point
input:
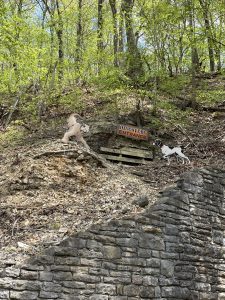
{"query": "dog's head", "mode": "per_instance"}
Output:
(158, 143)
(85, 128)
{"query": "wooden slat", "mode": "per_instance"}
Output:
(128, 152)
(148, 154)
(125, 159)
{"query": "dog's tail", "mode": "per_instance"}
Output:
(184, 147)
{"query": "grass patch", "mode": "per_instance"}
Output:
(173, 114)
(73, 101)
(210, 97)
(174, 85)
(13, 136)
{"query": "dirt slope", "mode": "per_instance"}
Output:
(48, 192)
(46, 198)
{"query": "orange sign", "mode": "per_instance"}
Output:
(132, 132)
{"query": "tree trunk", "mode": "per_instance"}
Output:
(79, 34)
(100, 44)
(194, 51)
(194, 55)
(115, 31)
(100, 26)
(135, 67)
(17, 36)
(218, 57)
(59, 33)
(170, 68)
(205, 10)
(121, 29)
(19, 7)
(56, 26)
(217, 35)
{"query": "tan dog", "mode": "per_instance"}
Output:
(75, 129)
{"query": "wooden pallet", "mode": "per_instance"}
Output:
(127, 155)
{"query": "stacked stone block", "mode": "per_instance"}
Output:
(174, 250)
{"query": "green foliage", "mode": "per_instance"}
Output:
(210, 97)
(111, 80)
(29, 108)
(160, 31)
(21, 54)
(12, 136)
(112, 102)
(156, 123)
(174, 85)
(73, 101)
(173, 114)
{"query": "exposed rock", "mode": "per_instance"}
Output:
(141, 201)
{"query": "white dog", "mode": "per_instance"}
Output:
(167, 152)
(75, 129)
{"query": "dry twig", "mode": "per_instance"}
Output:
(13, 227)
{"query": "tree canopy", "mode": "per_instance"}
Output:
(48, 44)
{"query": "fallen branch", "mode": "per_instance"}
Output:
(55, 153)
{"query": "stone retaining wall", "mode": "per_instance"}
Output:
(174, 250)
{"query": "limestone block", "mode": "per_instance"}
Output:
(4, 294)
(150, 241)
(48, 295)
(147, 292)
(99, 297)
(46, 276)
(24, 295)
(175, 292)
(12, 272)
(106, 289)
(153, 262)
(111, 252)
(30, 285)
(150, 281)
(167, 268)
(30, 275)
(131, 290)
(62, 276)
